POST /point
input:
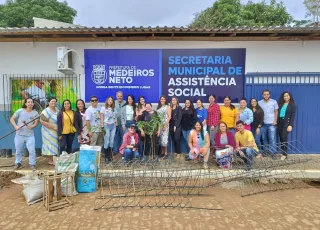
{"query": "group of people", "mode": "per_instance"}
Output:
(224, 130)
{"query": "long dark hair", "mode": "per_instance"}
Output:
(25, 101)
(191, 104)
(159, 102)
(133, 104)
(201, 131)
(258, 108)
(232, 107)
(62, 107)
(139, 107)
(281, 101)
(84, 105)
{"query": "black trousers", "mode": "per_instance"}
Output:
(151, 145)
(66, 142)
(175, 138)
(283, 134)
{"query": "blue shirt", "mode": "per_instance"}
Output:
(268, 108)
(283, 110)
(202, 114)
(247, 116)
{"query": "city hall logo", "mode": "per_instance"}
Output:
(99, 74)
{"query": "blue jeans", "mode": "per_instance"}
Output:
(233, 131)
(109, 137)
(212, 133)
(257, 138)
(19, 142)
(118, 139)
(248, 152)
(129, 154)
(185, 134)
(269, 136)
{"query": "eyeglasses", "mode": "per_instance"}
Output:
(95, 100)
(41, 83)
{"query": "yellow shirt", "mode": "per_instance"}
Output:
(244, 138)
(67, 126)
(228, 116)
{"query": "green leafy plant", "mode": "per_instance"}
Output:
(152, 126)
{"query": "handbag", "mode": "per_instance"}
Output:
(224, 158)
(73, 129)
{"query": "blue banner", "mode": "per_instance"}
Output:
(185, 73)
(134, 72)
(197, 73)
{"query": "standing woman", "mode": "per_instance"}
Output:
(286, 117)
(229, 114)
(258, 117)
(202, 114)
(108, 119)
(128, 113)
(246, 114)
(25, 135)
(213, 117)
(81, 108)
(164, 112)
(69, 123)
(49, 131)
(175, 124)
(141, 106)
(189, 118)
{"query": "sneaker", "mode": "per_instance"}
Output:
(17, 166)
(33, 167)
(205, 165)
(178, 156)
(283, 158)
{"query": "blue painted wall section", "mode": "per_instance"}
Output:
(307, 97)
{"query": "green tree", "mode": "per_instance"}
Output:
(19, 13)
(232, 13)
(313, 9)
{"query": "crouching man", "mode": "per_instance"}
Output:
(246, 146)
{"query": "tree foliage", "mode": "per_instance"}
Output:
(19, 13)
(232, 13)
(313, 9)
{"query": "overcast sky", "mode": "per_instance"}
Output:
(150, 12)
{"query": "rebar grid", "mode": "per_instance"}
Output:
(172, 183)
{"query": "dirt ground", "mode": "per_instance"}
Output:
(287, 209)
(6, 177)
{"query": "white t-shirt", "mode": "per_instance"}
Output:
(132, 140)
(129, 113)
(93, 115)
(36, 93)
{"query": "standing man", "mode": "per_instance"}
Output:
(119, 131)
(268, 129)
(93, 122)
(25, 134)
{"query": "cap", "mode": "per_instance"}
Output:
(133, 125)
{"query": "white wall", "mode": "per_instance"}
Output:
(40, 58)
